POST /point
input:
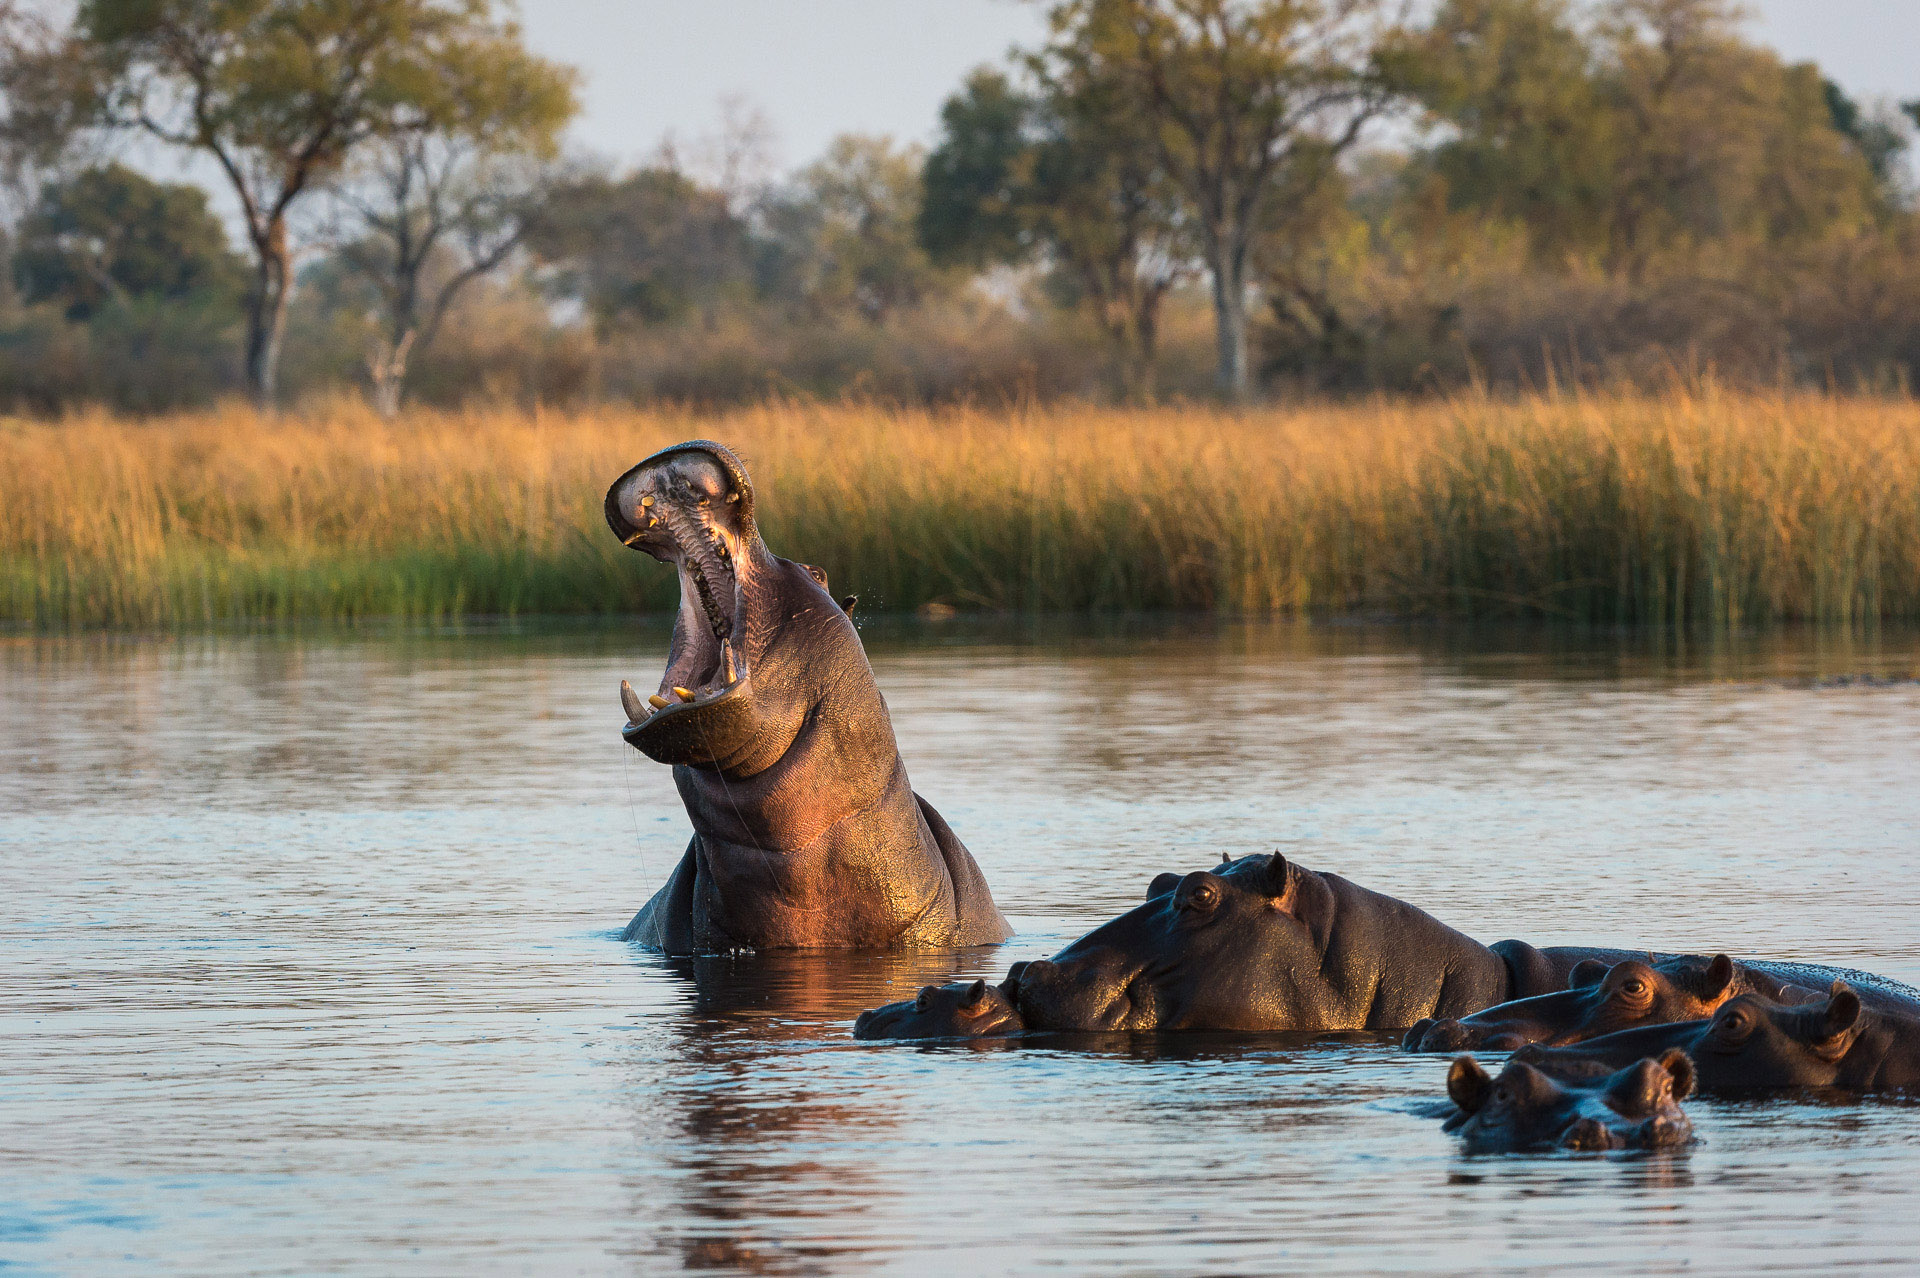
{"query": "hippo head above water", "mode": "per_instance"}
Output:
(692, 506)
(954, 1010)
(1598, 1000)
(1525, 1109)
(1757, 1044)
(1259, 944)
(807, 833)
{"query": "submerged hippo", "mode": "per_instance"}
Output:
(806, 833)
(954, 1010)
(1262, 944)
(1757, 1044)
(1599, 1000)
(1524, 1109)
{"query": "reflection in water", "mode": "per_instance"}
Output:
(307, 956)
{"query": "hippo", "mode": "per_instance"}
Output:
(1524, 1109)
(1599, 1000)
(806, 831)
(1261, 944)
(1753, 1044)
(954, 1010)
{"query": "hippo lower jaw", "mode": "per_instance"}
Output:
(692, 506)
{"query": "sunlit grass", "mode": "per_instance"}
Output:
(1696, 508)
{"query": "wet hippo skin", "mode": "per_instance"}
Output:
(806, 831)
(957, 1009)
(1262, 944)
(1637, 1107)
(1599, 1000)
(1754, 1044)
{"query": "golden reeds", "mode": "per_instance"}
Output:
(1693, 508)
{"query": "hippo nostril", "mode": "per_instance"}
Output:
(1588, 1133)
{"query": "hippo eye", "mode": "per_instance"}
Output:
(1634, 988)
(1501, 1095)
(1204, 897)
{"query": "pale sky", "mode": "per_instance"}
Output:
(822, 67)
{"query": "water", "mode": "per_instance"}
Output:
(307, 959)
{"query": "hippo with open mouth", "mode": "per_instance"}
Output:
(806, 832)
(1523, 1109)
(1753, 1044)
(1599, 1000)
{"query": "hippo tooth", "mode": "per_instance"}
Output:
(657, 701)
(726, 657)
(682, 693)
(636, 709)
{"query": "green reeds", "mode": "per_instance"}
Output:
(1693, 508)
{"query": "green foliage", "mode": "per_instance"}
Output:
(974, 203)
(1879, 141)
(282, 92)
(647, 249)
(109, 235)
(1651, 133)
(865, 196)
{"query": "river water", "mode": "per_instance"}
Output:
(308, 957)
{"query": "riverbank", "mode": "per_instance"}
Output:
(1700, 509)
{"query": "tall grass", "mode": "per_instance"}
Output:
(1692, 508)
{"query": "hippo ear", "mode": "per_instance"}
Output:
(1276, 875)
(1679, 1067)
(1586, 972)
(1468, 1084)
(1720, 975)
(1162, 884)
(1843, 1009)
(975, 996)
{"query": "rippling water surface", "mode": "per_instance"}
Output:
(307, 957)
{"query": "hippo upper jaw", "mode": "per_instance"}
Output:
(692, 506)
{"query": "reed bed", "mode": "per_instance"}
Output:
(1698, 508)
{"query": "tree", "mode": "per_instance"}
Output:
(1640, 139)
(1237, 95)
(650, 248)
(1531, 138)
(864, 196)
(1068, 175)
(282, 93)
(1879, 141)
(431, 213)
(108, 236)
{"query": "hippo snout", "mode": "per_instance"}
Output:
(1446, 1035)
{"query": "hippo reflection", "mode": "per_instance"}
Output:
(1756, 1044)
(1525, 1109)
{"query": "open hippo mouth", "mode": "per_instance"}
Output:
(692, 506)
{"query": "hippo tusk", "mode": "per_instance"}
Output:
(657, 701)
(726, 657)
(682, 693)
(636, 709)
